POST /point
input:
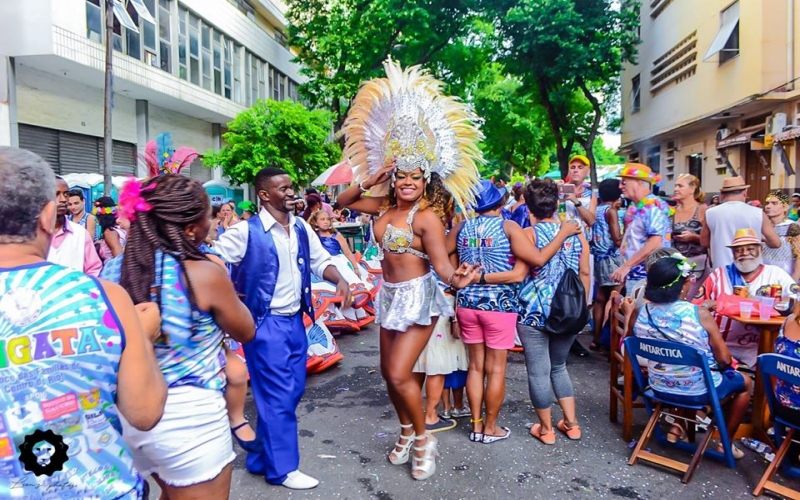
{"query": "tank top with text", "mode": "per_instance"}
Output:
(60, 346)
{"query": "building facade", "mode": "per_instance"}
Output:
(715, 92)
(181, 66)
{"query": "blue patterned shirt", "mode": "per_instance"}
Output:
(483, 240)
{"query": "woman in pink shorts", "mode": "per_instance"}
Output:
(487, 311)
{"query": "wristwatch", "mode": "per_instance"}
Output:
(483, 279)
(577, 203)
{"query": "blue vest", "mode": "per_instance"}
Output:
(255, 277)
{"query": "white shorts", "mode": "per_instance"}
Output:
(192, 442)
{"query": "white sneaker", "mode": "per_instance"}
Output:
(296, 480)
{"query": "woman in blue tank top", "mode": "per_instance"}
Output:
(190, 451)
(75, 360)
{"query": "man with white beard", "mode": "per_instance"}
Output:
(749, 271)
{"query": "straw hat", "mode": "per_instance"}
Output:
(744, 237)
(733, 184)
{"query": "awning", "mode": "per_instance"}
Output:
(742, 137)
(730, 19)
(789, 135)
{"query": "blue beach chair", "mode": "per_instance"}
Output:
(787, 421)
(673, 353)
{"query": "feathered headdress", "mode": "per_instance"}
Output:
(405, 120)
(162, 158)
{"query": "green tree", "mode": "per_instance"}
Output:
(518, 138)
(276, 133)
(570, 52)
(605, 156)
(341, 43)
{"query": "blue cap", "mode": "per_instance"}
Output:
(489, 196)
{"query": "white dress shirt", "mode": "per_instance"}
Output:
(232, 246)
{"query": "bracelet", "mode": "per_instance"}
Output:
(361, 187)
(450, 280)
(577, 203)
(483, 278)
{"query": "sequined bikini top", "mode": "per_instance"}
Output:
(398, 240)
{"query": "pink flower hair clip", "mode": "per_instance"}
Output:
(131, 201)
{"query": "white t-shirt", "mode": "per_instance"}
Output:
(742, 340)
(723, 221)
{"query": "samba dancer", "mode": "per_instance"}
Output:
(413, 148)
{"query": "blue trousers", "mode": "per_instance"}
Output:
(276, 360)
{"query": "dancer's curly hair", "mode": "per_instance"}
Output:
(176, 202)
(436, 197)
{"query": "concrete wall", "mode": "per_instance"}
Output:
(59, 103)
(760, 66)
(186, 131)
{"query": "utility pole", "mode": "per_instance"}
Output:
(108, 99)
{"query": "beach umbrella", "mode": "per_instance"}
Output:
(341, 173)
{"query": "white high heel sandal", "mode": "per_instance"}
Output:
(401, 457)
(427, 462)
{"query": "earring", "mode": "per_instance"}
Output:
(192, 237)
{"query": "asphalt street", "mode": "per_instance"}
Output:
(347, 427)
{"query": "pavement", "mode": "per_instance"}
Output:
(347, 427)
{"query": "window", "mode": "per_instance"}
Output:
(237, 74)
(254, 77)
(282, 88)
(217, 63)
(726, 43)
(696, 166)
(276, 77)
(132, 46)
(636, 99)
(262, 75)
(654, 159)
(164, 36)
(293, 95)
(248, 90)
(94, 21)
(206, 41)
(228, 68)
(281, 39)
(194, 49)
(134, 31)
(183, 56)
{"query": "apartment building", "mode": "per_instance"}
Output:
(180, 66)
(715, 92)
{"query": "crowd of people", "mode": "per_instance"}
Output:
(144, 371)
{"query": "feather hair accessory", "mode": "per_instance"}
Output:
(161, 157)
(405, 120)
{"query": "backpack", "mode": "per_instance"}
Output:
(568, 310)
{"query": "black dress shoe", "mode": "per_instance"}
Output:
(578, 350)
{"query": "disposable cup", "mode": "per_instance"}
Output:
(765, 307)
(745, 309)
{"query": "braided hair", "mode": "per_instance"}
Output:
(176, 202)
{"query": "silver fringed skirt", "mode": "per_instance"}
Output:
(412, 302)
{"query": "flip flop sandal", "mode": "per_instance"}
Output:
(488, 439)
(574, 432)
(536, 432)
(441, 425)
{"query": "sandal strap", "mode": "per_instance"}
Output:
(406, 426)
(476, 421)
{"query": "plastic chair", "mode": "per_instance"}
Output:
(620, 325)
(673, 353)
(787, 369)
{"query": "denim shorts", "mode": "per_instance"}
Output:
(732, 382)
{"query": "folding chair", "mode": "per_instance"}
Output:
(620, 324)
(673, 353)
(787, 370)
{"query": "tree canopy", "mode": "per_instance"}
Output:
(540, 73)
(283, 134)
(343, 42)
(571, 52)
